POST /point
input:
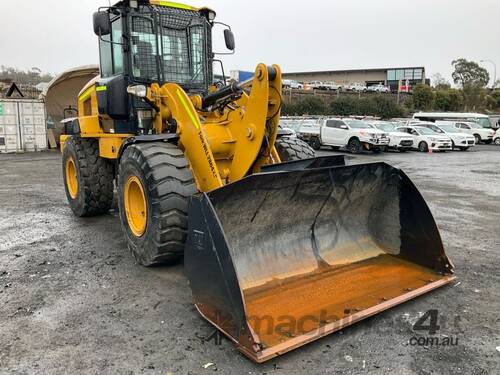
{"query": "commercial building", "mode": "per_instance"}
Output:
(387, 76)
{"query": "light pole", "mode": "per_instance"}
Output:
(494, 71)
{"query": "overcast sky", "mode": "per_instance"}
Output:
(55, 35)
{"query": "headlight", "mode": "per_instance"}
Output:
(140, 91)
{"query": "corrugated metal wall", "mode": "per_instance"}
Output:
(22, 125)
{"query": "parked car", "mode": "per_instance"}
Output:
(291, 84)
(358, 87)
(480, 133)
(331, 86)
(425, 138)
(318, 85)
(459, 140)
(355, 135)
(378, 88)
(398, 140)
(315, 85)
(496, 137)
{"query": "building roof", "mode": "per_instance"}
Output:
(354, 70)
(80, 71)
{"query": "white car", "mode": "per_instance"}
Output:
(315, 85)
(397, 140)
(358, 87)
(291, 84)
(496, 137)
(318, 85)
(353, 134)
(425, 139)
(330, 86)
(459, 140)
(480, 133)
(378, 88)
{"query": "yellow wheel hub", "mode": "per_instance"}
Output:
(135, 206)
(71, 178)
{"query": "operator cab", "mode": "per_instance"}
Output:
(143, 42)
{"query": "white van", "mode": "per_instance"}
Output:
(483, 120)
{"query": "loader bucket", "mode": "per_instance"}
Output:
(281, 258)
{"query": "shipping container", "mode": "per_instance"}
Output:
(22, 125)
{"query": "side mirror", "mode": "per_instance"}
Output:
(102, 24)
(229, 39)
(344, 127)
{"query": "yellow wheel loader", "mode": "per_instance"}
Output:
(280, 247)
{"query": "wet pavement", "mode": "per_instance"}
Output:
(72, 299)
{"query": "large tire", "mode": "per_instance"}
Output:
(155, 224)
(293, 149)
(497, 141)
(477, 138)
(315, 143)
(88, 178)
(354, 146)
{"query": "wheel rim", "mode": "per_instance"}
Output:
(135, 206)
(71, 178)
(354, 147)
(497, 141)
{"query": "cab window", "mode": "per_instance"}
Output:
(330, 123)
(111, 54)
(117, 33)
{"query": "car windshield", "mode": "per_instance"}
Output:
(387, 127)
(357, 124)
(484, 122)
(426, 131)
(170, 45)
(449, 128)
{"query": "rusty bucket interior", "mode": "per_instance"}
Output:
(279, 259)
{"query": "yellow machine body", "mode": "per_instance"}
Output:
(320, 242)
(220, 147)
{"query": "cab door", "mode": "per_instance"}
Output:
(331, 133)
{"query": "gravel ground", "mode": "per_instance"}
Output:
(72, 300)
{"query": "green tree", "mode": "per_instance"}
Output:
(386, 107)
(469, 73)
(312, 106)
(472, 78)
(439, 82)
(493, 100)
(448, 100)
(289, 109)
(32, 76)
(344, 105)
(423, 97)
